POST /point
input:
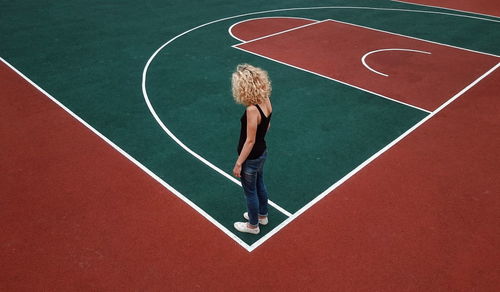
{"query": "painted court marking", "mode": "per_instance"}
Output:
(232, 235)
(363, 59)
(230, 30)
(339, 81)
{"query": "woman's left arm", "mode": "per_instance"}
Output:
(252, 123)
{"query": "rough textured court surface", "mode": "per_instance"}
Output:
(118, 135)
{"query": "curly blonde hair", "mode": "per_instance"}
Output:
(250, 85)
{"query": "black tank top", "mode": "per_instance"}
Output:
(260, 143)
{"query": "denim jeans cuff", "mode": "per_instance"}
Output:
(256, 225)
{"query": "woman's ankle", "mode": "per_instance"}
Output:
(252, 226)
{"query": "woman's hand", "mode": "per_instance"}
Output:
(237, 170)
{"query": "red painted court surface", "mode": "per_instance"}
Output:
(416, 72)
(77, 224)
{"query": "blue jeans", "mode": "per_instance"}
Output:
(253, 185)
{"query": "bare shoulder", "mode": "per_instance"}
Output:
(252, 110)
(253, 115)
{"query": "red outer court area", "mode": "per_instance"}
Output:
(77, 215)
(415, 72)
(487, 7)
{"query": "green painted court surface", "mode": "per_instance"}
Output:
(321, 129)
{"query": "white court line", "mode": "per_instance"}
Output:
(230, 30)
(369, 160)
(281, 32)
(133, 160)
(445, 8)
(297, 9)
(363, 59)
(333, 79)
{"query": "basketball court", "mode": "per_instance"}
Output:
(119, 136)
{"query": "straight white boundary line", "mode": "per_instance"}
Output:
(363, 59)
(230, 30)
(369, 160)
(445, 8)
(293, 9)
(279, 32)
(333, 79)
(132, 159)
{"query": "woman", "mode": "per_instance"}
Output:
(252, 88)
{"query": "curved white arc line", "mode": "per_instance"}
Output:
(162, 125)
(385, 50)
(157, 118)
(171, 135)
(230, 29)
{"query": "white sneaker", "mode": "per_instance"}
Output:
(261, 221)
(242, 227)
